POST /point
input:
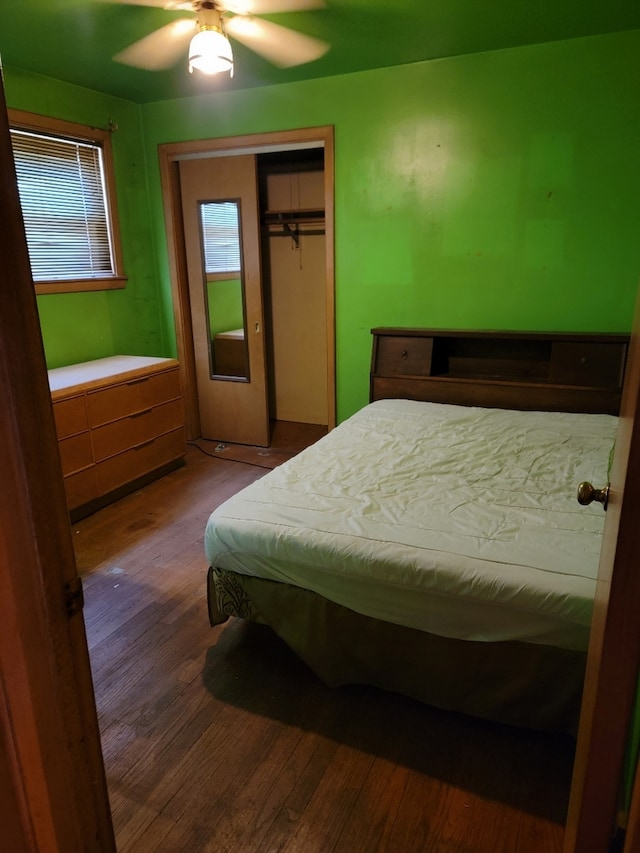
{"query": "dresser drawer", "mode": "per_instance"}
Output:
(75, 453)
(128, 398)
(81, 487)
(70, 416)
(587, 364)
(140, 460)
(120, 423)
(136, 429)
(403, 356)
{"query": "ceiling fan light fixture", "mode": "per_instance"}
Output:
(210, 51)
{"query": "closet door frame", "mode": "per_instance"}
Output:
(170, 155)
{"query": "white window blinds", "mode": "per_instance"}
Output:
(220, 237)
(63, 198)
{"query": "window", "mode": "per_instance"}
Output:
(66, 186)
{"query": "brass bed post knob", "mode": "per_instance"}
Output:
(587, 494)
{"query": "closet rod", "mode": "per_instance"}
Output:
(271, 217)
(292, 230)
(299, 232)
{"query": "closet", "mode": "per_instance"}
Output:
(255, 328)
(292, 216)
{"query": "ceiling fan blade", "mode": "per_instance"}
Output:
(280, 45)
(170, 5)
(270, 7)
(160, 49)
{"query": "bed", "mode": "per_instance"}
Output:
(432, 544)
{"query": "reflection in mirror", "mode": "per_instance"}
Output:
(224, 284)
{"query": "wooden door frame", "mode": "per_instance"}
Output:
(169, 156)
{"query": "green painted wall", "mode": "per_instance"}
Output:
(497, 190)
(81, 326)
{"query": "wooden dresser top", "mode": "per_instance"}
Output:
(95, 373)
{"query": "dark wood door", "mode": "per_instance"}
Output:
(614, 651)
(54, 794)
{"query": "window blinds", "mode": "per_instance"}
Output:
(63, 199)
(220, 236)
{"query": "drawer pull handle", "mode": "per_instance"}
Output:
(143, 444)
(404, 354)
(138, 381)
(140, 414)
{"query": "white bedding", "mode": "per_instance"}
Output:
(455, 520)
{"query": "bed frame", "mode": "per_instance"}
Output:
(509, 682)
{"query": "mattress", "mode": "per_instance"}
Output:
(459, 521)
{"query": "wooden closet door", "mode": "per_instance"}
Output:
(231, 409)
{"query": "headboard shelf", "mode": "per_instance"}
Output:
(563, 371)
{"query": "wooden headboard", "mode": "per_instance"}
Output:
(550, 371)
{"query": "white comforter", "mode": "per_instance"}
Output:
(455, 520)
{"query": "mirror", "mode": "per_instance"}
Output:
(224, 289)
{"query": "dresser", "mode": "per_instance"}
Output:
(120, 424)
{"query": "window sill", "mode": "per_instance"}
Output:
(117, 282)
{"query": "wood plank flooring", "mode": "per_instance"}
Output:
(287, 439)
(222, 740)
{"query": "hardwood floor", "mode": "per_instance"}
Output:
(222, 740)
(287, 439)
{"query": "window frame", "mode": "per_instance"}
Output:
(46, 125)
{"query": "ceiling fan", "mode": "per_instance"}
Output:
(207, 29)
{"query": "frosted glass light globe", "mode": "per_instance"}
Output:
(210, 52)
